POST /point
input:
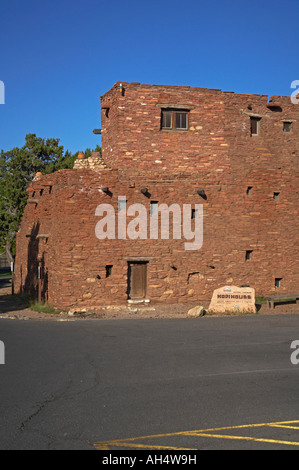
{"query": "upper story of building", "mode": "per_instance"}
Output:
(180, 130)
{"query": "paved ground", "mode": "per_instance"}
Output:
(206, 383)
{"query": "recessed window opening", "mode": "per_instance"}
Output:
(174, 119)
(278, 282)
(287, 126)
(41, 192)
(109, 270)
(154, 208)
(248, 254)
(193, 213)
(122, 205)
(248, 191)
(50, 189)
(276, 195)
(255, 126)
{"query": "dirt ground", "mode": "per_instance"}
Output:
(12, 307)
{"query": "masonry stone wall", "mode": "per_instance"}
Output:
(250, 208)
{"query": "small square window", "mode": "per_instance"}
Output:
(275, 195)
(278, 282)
(248, 191)
(287, 126)
(248, 254)
(174, 119)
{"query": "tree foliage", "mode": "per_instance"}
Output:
(18, 167)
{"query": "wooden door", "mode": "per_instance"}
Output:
(137, 279)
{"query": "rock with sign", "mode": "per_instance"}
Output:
(233, 299)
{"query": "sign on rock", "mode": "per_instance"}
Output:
(233, 299)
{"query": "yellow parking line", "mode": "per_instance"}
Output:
(247, 438)
(131, 442)
(282, 426)
(239, 427)
(143, 446)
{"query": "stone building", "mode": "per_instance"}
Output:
(230, 160)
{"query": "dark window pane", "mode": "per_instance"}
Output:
(166, 119)
(181, 121)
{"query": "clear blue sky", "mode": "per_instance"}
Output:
(59, 56)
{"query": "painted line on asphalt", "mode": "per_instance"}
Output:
(213, 433)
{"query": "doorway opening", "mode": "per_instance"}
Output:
(137, 280)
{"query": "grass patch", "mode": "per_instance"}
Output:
(43, 307)
(260, 300)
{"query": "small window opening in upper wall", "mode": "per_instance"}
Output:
(109, 270)
(287, 126)
(248, 254)
(174, 119)
(248, 191)
(277, 282)
(275, 195)
(154, 208)
(122, 205)
(255, 126)
(193, 213)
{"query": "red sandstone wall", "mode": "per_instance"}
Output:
(233, 223)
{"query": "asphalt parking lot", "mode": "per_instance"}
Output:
(208, 383)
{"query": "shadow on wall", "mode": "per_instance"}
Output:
(36, 282)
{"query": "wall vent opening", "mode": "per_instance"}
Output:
(109, 270)
(287, 126)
